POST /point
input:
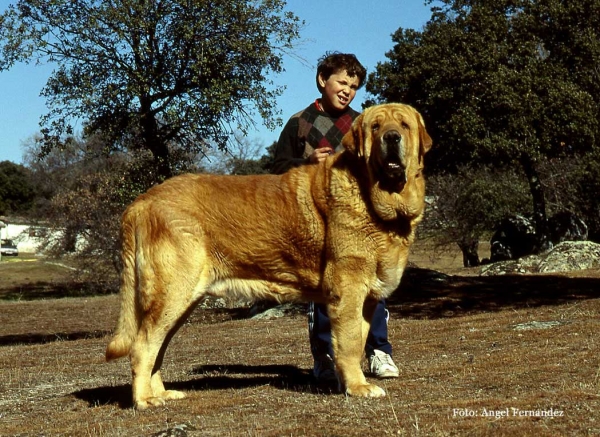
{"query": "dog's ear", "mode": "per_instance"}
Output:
(353, 139)
(425, 141)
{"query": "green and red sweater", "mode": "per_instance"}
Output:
(308, 130)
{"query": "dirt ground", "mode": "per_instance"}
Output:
(479, 356)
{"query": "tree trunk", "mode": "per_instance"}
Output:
(539, 203)
(155, 143)
(469, 247)
(161, 159)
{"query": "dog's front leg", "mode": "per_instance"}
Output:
(350, 314)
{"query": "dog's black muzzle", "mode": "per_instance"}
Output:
(394, 167)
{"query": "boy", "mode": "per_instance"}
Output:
(308, 138)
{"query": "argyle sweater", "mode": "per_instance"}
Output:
(308, 130)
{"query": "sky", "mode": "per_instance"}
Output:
(361, 27)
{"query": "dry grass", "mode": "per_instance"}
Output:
(466, 346)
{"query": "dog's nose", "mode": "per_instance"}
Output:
(392, 138)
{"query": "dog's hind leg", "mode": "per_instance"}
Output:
(158, 327)
(158, 388)
(147, 357)
(143, 361)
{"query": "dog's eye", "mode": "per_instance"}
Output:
(375, 127)
(405, 125)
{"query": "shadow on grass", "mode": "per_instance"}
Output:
(426, 294)
(118, 394)
(49, 338)
(219, 377)
(45, 290)
(285, 377)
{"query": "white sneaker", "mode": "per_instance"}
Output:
(324, 369)
(381, 365)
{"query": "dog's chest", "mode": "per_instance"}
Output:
(391, 260)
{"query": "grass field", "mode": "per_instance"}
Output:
(497, 356)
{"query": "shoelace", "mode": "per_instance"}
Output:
(381, 360)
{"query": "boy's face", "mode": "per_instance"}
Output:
(338, 91)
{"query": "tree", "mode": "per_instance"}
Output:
(16, 188)
(493, 86)
(169, 77)
(85, 194)
(467, 204)
(571, 34)
(247, 164)
(588, 187)
(243, 158)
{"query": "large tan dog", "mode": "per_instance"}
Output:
(337, 233)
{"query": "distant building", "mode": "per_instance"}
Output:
(27, 238)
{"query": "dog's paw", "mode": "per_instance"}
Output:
(172, 394)
(366, 391)
(144, 404)
(159, 400)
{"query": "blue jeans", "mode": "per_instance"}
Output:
(319, 331)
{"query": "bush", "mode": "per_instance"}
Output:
(587, 201)
(470, 203)
(572, 184)
(87, 213)
(466, 205)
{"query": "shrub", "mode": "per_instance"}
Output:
(469, 204)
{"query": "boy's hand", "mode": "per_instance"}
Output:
(320, 154)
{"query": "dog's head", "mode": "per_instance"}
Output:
(392, 140)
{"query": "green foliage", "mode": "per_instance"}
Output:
(467, 205)
(471, 202)
(587, 200)
(167, 77)
(572, 184)
(87, 213)
(570, 32)
(16, 189)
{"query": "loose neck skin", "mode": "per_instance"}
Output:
(396, 211)
(406, 202)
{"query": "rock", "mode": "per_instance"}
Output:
(213, 302)
(564, 257)
(514, 238)
(539, 325)
(176, 431)
(567, 226)
(277, 311)
(571, 255)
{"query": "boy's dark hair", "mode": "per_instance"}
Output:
(334, 62)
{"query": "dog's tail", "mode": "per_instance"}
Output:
(129, 320)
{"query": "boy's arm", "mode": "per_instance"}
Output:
(289, 151)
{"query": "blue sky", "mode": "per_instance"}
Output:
(352, 26)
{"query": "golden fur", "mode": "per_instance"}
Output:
(337, 233)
